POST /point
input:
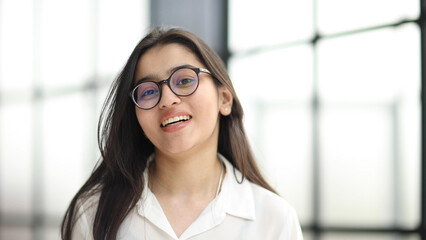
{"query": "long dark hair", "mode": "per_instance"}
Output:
(118, 178)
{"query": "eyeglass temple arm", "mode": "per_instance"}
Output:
(204, 70)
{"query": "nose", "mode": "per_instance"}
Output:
(168, 97)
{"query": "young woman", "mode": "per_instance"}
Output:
(176, 163)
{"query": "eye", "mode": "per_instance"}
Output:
(186, 81)
(147, 91)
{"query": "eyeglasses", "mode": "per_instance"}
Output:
(182, 82)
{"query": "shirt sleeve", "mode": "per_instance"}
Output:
(82, 228)
(292, 229)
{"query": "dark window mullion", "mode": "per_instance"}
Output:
(422, 25)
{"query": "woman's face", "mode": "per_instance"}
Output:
(199, 129)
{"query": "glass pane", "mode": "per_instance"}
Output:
(284, 75)
(67, 42)
(15, 233)
(119, 35)
(356, 162)
(16, 45)
(369, 87)
(307, 235)
(51, 234)
(67, 147)
(337, 16)
(255, 24)
(16, 158)
(284, 140)
(377, 66)
(275, 89)
(368, 236)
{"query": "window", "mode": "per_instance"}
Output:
(333, 110)
(58, 58)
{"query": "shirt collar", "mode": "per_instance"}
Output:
(149, 207)
(235, 199)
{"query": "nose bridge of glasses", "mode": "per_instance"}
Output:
(168, 84)
(162, 82)
(168, 96)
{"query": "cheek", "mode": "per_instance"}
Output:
(207, 95)
(207, 104)
(143, 120)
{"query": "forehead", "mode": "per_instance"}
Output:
(158, 60)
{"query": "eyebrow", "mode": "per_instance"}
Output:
(169, 72)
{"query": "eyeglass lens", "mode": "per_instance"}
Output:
(182, 82)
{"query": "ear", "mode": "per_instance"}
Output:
(225, 101)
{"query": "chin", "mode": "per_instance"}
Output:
(173, 149)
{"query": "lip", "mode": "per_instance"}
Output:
(174, 127)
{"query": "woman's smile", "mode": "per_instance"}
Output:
(175, 120)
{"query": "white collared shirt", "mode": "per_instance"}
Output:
(243, 211)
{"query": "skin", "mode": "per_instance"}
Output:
(186, 171)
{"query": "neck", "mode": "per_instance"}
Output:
(185, 175)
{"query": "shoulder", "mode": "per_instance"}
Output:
(279, 215)
(84, 217)
(87, 205)
(270, 203)
(257, 201)
(263, 210)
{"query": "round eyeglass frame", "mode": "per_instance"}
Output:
(160, 83)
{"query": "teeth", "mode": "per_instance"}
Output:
(174, 119)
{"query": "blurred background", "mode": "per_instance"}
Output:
(331, 91)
